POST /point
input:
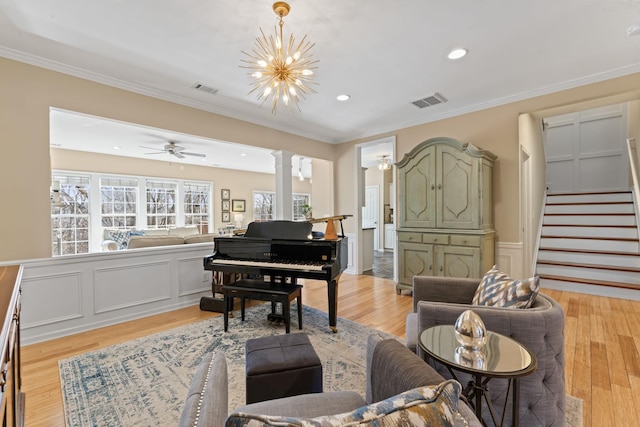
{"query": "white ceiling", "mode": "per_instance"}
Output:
(384, 54)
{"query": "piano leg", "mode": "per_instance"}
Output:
(333, 304)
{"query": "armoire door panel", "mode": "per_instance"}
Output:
(455, 261)
(418, 190)
(457, 203)
(416, 260)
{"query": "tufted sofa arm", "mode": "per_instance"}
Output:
(539, 328)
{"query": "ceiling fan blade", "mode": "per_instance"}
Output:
(157, 152)
(151, 148)
(193, 154)
(178, 155)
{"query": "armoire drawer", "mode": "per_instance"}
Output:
(458, 240)
(436, 239)
(404, 236)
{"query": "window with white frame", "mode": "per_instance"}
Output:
(300, 202)
(79, 215)
(264, 205)
(196, 203)
(119, 202)
(161, 203)
(70, 209)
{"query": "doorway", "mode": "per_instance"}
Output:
(371, 158)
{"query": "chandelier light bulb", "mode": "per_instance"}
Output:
(280, 65)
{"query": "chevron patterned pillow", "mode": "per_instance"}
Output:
(497, 289)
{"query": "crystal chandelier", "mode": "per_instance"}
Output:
(281, 72)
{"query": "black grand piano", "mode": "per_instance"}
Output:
(285, 249)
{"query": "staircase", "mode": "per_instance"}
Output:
(590, 238)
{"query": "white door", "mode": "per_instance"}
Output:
(585, 151)
(370, 212)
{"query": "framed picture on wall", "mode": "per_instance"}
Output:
(226, 205)
(226, 217)
(226, 194)
(237, 205)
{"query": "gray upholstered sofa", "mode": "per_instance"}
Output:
(440, 300)
(391, 369)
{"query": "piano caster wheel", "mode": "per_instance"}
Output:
(333, 329)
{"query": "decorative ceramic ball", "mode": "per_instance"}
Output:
(470, 330)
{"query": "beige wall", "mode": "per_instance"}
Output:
(26, 95)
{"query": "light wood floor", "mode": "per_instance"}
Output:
(602, 338)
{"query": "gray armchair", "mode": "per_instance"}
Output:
(440, 300)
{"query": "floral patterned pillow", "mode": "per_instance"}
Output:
(422, 406)
(497, 289)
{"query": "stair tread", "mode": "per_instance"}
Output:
(591, 251)
(593, 266)
(622, 202)
(589, 225)
(591, 193)
(590, 282)
(589, 214)
(616, 239)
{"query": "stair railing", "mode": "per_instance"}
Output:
(634, 161)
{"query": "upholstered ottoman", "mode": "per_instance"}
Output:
(281, 366)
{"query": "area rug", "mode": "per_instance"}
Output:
(144, 382)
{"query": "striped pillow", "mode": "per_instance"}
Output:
(497, 289)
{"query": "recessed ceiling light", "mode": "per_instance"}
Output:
(343, 97)
(243, 154)
(116, 147)
(457, 53)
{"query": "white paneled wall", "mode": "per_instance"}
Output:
(67, 295)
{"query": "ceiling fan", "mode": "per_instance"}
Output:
(173, 149)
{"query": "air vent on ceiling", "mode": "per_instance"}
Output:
(204, 88)
(434, 99)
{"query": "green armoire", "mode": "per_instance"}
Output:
(445, 211)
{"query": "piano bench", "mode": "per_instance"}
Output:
(276, 292)
(281, 366)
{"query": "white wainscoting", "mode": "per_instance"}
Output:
(71, 294)
(509, 259)
(352, 246)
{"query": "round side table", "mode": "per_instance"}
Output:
(500, 357)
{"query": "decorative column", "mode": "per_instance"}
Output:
(284, 193)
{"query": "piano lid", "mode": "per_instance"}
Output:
(280, 229)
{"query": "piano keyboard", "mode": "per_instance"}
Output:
(270, 264)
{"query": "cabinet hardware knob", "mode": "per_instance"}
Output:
(435, 240)
(439, 186)
(433, 186)
(440, 268)
(464, 241)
